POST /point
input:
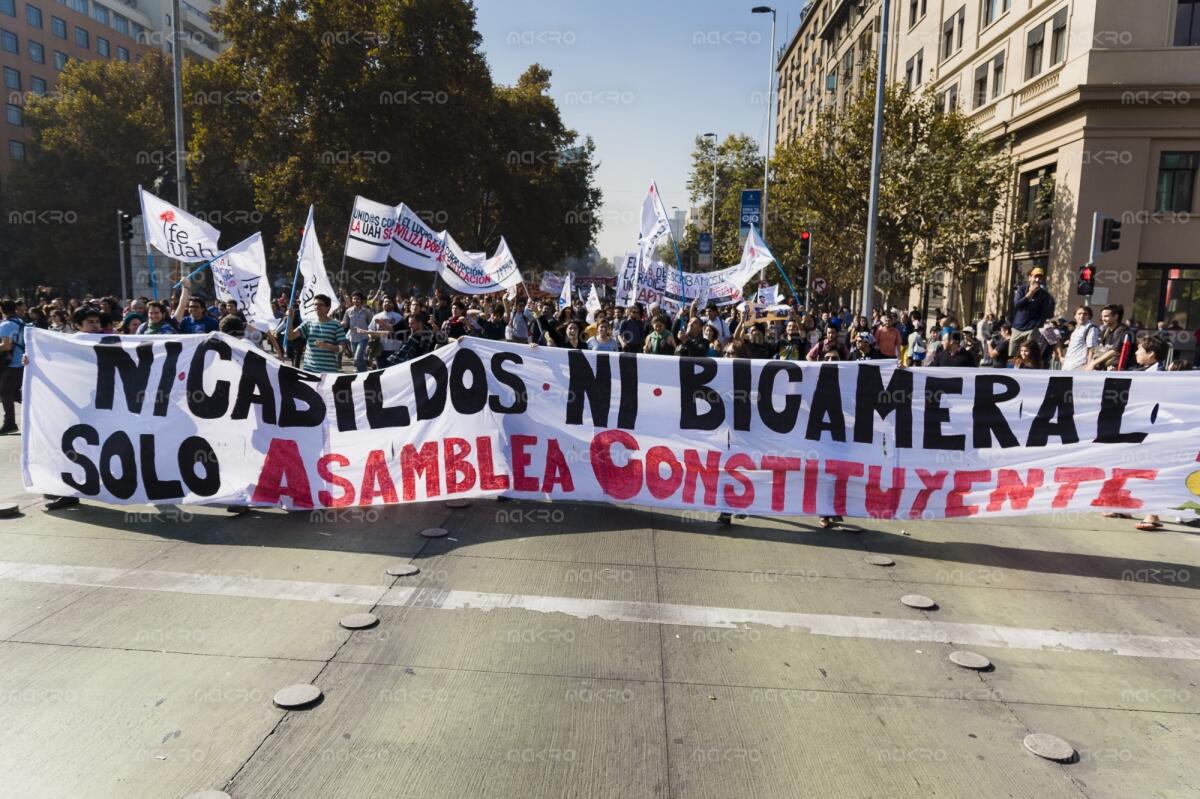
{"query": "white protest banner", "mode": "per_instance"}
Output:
(767, 295)
(627, 281)
(474, 273)
(551, 282)
(208, 419)
(415, 244)
(312, 269)
(240, 277)
(176, 233)
(369, 237)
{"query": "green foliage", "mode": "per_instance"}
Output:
(942, 184)
(739, 166)
(316, 101)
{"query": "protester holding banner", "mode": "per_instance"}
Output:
(573, 337)
(659, 340)
(603, 341)
(631, 332)
(190, 314)
(12, 354)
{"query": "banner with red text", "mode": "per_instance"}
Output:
(208, 419)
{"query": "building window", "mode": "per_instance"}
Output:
(997, 75)
(121, 23)
(1187, 24)
(8, 8)
(1036, 210)
(12, 113)
(947, 38)
(993, 9)
(1176, 181)
(122, 54)
(79, 5)
(99, 13)
(16, 150)
(916, 11)
(81, 38)
(949, 99)
(980, 85)
(37, 53)
(102, 46)
(1033, 51)
(58, 27)
(60, 61)
(12, 79)
(33, 16)
(1058, 37)
(9, 43)
(37, 85)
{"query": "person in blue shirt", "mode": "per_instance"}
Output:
(190, 315)
(1032, 306)
(12, 363)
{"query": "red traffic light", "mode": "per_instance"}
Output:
(804, 234)
(1085, 273)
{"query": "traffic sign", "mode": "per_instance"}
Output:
(751, 213)
(819, 286)
(704, 248)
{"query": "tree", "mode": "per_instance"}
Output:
(106, 129)
(941, 185)
(739, 166)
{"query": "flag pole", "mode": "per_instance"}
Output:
(201, 268)
(295, 279)
(153, 276)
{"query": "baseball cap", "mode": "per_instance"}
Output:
(1037, 270)
(867, 337)
(969, 329)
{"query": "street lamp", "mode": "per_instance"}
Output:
(713, 138)
(876, 159)
(770, 108)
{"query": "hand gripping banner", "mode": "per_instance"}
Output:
(208, 419)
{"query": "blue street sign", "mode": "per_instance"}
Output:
(751, 212)
(704, 249)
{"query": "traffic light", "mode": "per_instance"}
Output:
(126, 227)
(805, 243)
(1110, 235)
(1087, 281)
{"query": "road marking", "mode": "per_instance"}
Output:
(879, 629)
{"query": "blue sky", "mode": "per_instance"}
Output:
(643, 78)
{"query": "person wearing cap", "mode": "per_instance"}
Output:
(1032, 306)
(971, 344)
(864, 348)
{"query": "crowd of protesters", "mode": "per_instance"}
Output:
(381, 329)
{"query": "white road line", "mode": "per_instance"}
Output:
(879, 629)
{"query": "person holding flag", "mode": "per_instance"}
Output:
(324, 337)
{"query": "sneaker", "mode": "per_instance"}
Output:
(58, 503)
(8, 428)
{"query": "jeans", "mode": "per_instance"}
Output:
(10, 392)
(360, 354)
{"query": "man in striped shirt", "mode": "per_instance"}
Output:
(323, 338)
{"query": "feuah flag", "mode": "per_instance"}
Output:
(369, 237)
(240, 277)
(312, 268)
(176, 233)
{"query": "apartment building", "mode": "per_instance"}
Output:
(38, 37)
(1101, 99)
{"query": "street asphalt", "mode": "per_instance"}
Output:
(570, 650)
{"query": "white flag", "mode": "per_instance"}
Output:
(654, 224)
(415, 244)
(312, 270)
(564, 299)
(369, 237)
(593, 300)
(628, 280)
(176, 233)
(551, 282)
(240, 277)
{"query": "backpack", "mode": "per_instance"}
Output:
(6, 358)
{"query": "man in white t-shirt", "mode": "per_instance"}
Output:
(1084, 340)
(387, 320)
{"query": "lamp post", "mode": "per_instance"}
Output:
(876, 157)
(713, 228)
(770, 109)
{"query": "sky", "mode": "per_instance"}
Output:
(643, 78)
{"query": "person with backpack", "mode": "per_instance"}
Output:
(12, 363)
(1083, 342)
